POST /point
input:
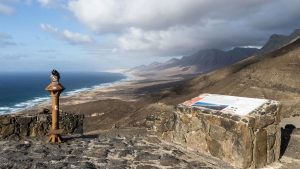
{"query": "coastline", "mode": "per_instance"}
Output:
(112, 90)
(38, 102)
(130, 89)
(126, 102)
(134, 85)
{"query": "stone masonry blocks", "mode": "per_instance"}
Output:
(16, 126)
(249, 141)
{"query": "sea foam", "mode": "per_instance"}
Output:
(38, 100)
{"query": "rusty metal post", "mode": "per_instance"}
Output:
(55, 89)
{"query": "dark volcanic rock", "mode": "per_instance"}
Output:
(4, 120)
(23, 120)
(88, 165)
(39, 166)
(146, 167)
(98, 152)
(196, 164)
(146, 156)
(169, 160)
(126, 153)
(22, 126)
(7, 130)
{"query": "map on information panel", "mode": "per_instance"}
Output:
(226, 104)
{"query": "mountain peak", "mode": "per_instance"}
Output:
(277, 41)
(208, 51)
(276, 36)
(296, 32)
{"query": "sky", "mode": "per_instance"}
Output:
(109, 35)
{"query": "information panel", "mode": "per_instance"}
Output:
(226, 104)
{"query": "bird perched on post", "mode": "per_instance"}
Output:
(55, 75)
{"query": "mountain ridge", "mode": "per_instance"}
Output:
(202, 61)
(207, 60)
(274, 75)
(277, 41)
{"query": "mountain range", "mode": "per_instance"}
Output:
(209, 60)
(274, 75)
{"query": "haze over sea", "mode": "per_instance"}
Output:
(23, 90)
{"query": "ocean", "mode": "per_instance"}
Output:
(23, 90)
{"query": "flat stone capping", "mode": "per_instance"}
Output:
(247, 140)
(18, 126)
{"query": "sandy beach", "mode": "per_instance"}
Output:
(109, 105)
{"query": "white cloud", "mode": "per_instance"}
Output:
(172, 27)
(76, 37)
(71, 37)
(136, 39)
(104, 15)
(6, 9)
(181, 40)
(49, 28)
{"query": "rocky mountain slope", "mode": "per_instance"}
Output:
(277, 41)
(207, 60)
(275, 75)
(201, 62)
(212, 59)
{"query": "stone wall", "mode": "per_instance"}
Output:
(250, 141)
(18, 126)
